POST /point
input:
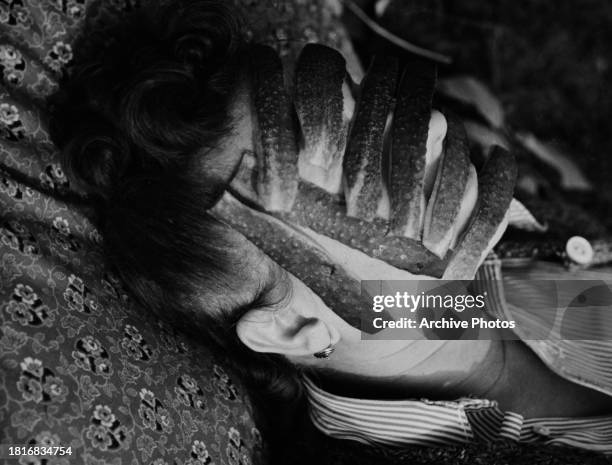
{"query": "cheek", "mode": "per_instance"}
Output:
(264, 281)
(253, 270)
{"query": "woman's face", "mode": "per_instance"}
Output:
(287, 317)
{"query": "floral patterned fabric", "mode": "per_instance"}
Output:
(81, 365)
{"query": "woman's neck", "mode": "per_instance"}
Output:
(402, 369)
(504, 371)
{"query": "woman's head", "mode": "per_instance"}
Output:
(160, 89)
(135, 120)
(152, 127)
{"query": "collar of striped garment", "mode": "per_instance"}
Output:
(422, 422)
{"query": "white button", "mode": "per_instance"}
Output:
(579, 250)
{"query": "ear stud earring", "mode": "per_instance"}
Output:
(325, 353)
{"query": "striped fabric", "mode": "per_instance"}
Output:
(523, 298)
(437, 423)
(434, 423)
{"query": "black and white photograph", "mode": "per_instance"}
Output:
(305, 232)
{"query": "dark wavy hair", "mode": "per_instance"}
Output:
(133, 121)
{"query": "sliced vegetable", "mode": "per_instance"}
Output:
(447, 194)
(409, 148)
(274, 133)
(495, 188)
(324, 106)
(363, 175)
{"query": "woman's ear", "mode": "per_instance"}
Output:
(283, 331)
(295, 329)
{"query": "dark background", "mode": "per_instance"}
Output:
(549, 64)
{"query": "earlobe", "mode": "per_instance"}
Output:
(284, 332)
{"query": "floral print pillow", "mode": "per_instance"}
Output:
(81, 369)
(81, 365)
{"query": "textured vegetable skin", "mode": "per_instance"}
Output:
(496, 183)
(298, 254)
(325, 214)
(354, 222)
(274, 133)
(409, 148)
(363, 160)
(451, 180)
(320, 106)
